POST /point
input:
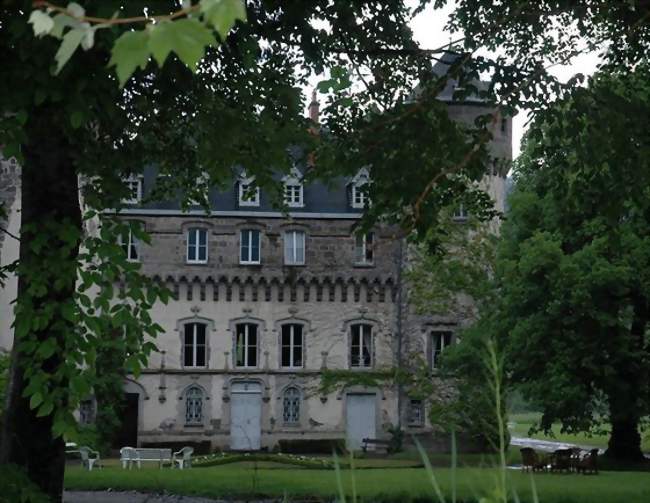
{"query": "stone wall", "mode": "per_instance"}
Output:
(9, 247)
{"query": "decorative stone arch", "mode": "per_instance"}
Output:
(210, 328)
(261, 332)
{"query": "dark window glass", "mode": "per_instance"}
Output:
(292, 345)
(440, 340)
(246, 345)
(361, 346)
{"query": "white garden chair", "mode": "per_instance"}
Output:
(129, 457)
(89, 458)
(183, 458)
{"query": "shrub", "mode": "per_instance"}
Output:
(312, 446)
(17, 488)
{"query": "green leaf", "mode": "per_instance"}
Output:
(46, 409)
(186, 37)
(75, 9)
(222, 14)
(76, 119)
(35, 400)
(41, 22)
(71, 41)
(61, 22)
(130, 52)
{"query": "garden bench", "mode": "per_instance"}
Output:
(131, 455)
(367, 442)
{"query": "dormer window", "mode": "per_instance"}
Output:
(460, 213)
(293, 190)
(134, 190)
(358, 192)
(249, 193)
(201, 192)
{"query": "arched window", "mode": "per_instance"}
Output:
(361, 345)
(194, 345)
(194, 405)
(291, 406)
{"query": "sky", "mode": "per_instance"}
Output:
(429, 30)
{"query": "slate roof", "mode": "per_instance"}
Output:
(317, 198)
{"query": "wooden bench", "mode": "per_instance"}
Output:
(131, 455)
(376, 442)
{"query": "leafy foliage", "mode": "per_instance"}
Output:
(187, 37)
(17, 488)
(572, 267)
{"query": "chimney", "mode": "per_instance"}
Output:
(314, 109)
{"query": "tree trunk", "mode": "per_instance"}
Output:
(49, 195)
(624, 404)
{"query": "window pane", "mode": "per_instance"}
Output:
(360, 249)
(203, 237)
(297, 356)
(288, 247)
(239, 349)
(245, 236)
(200, 333)
(200, 356)
(369, 249)
(255, 246)
(300, 247)
(286, 356)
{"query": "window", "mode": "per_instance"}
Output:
(201, 191)
(129, 244)
(293, 189)
(246, 345)
(194, 406)
(291, 345)
(460, 213)
(194, 345)
(249, 193)
(86, 412)
(249, 247)
(197, 246)
(439, 341)
(134, 190)
(359, 197)
(291, 406)
(363, 250)
(293, 194)
(416, 413)
(361, 346)
(294, 248)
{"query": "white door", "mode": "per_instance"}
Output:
(245, 416)
(360, 419)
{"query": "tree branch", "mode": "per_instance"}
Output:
(9, 234)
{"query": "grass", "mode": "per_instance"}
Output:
(381, 484)
(521, 423)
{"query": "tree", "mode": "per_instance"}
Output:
(458, 280)
(573, 265)
(77, 133)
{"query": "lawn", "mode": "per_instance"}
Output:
(521, 423)
(375, 485)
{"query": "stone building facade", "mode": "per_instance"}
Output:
(264, 302)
